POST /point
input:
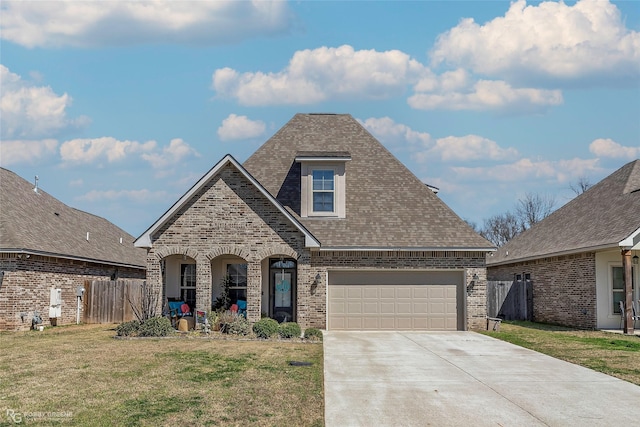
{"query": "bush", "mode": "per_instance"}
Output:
(239, 326)
(265, 328)
(128, 329)
(156, 327)
(289, 330)
(313, 334)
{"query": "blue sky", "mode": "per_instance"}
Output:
(119, 107)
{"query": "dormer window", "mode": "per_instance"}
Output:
(322, 184)
(323, 189)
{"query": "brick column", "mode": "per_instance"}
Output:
(476, 297)
(254, 291)
(203, 284)
(154, 278)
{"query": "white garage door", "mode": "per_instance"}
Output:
(393, 300)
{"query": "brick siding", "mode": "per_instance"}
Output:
(27, 282)
(229, 216)
(564, 288)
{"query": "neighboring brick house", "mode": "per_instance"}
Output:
(45, 245)
(325, 227)
(577, 257)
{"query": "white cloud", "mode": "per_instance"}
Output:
(96, 149)
(240, 127)
(28, 111)
(117, 23)
(324, 73)
(527, 169)
(552, 40)
(137, 196)
(388, 131)
(609, 148)
(24, 151)
(481, 95)
(466, 148)
(175, 152)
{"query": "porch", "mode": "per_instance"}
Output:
(255, 289)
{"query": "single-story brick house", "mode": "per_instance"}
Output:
(576, 257)
(322, 226)
(47, 246)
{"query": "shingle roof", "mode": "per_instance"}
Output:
(39, 223)
(602, 216)
(386, 205)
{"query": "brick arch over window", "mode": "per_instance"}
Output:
(239, 251)
(166, 251)
(277, 250)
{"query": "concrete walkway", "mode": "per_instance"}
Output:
(463, 378)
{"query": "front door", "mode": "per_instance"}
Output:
(282, 289)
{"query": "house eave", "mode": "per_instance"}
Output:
(632, 241)
(406, 249)
(596, 248)
(70, 257)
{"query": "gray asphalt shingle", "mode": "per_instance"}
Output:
(387, 206)
(38, 222)
(602, 216)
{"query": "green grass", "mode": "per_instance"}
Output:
(104, 381)
(612, 354)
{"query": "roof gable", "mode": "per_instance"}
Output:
(36, 222)
(604, 216)
(145, 239)
(387, 207)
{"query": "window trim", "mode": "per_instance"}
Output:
(307, 191)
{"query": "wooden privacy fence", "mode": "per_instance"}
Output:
(108, 301)
(510, 300)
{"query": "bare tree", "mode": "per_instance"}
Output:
(144, 302)
(501, 228)
(534, 208)
(581, 186)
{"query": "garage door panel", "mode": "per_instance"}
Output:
(420, 308)
(370, 308)
(387, 308)
(382, 307)
(404, 292)
(403, 308)
(354, 292)
(354, 307)
(337, 307)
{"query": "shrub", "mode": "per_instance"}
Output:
(265, 328)
(128, 329)
(156, 327)
(313, 334)
(224, 319)
(289, 330)
(239, 326)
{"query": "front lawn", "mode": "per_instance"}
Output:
(81, 375)
(613, 354)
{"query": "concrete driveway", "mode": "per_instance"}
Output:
(463, 378)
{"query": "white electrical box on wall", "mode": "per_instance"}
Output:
(55, 304)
